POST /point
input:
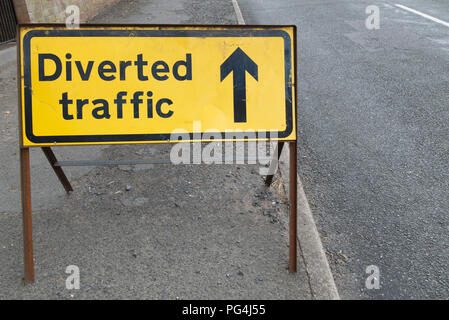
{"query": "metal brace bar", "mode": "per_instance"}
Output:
(134, 162)
(59, 173)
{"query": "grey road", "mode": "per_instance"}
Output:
(374, 139)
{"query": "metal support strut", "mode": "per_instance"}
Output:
(293, 228)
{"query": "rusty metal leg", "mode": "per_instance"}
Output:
(269, 178)
(293, 207)
(58, 170)
(26, 215)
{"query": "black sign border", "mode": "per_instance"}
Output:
(195, 31)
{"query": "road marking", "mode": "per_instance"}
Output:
(444, 23)
(238, 12)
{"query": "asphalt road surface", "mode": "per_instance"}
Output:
(374, 138)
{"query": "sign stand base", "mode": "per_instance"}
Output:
(27, 211)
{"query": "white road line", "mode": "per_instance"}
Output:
(238, 12)
(444, 23)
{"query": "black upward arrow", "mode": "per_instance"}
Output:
(239, 62)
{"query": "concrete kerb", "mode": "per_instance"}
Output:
(318, 271)
(321, 281)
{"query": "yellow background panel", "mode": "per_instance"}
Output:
(204, 98)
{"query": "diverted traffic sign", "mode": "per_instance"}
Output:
(154, 84)
(126, 84)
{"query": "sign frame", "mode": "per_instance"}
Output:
(169, 31)
(29, 275)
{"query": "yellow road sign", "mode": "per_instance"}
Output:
(140, 84)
